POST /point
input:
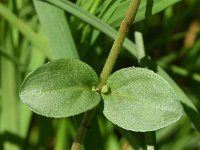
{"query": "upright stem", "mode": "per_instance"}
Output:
(115, 50)
(82, 130)
(110, 62)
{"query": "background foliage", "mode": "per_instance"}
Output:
(85, 29)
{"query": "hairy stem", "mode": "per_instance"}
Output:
(115, 50)
(110, 62)
(82, 130)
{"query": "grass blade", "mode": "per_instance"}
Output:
(188, 106)
(105, 15)
(55, 25)
(146, 9)
(9, 117)
(91, 19)
(25, 30)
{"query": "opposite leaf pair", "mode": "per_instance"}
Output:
(139, 99)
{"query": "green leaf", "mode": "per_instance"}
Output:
(34, 38)
(68, 6)
(92, 20)
(140, 100)
(55, 25)
(150, 7)
(146, 9)
(60, 88)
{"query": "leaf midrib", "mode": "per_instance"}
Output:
(129, 99)
(86, 88)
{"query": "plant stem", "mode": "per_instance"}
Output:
(110, 62)
(122, 33)
(82, 130)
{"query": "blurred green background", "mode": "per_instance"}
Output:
(35, 32)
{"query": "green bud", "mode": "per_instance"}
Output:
(105, 89)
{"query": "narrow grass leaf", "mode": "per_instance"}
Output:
(55, 25)
(9, 104)
(25, 30)
(91, 19)
(189, 108)
(9, 57)
(105, 15)
(146, 9)
(62, 139)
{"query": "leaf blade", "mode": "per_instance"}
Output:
(94, 21)
(60, 88)
(130, 46)
(146, 9)
(140, 100)
(34, 38)
(55, 25)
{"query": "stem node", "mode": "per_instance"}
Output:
(107, 69)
